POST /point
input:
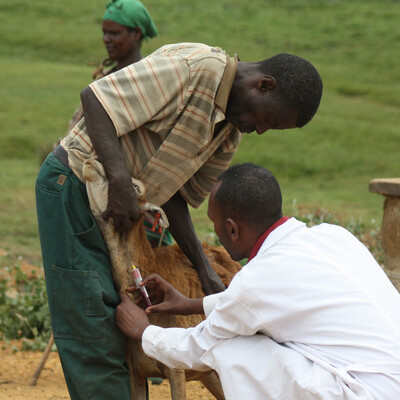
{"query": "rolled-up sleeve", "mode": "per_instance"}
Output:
(172, 346)
(209, 303)
(185, 348)
(143, 91)
(198, 187)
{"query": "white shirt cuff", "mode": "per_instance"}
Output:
(148, 337)
(209, 303)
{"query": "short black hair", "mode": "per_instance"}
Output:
(251, 194)
(298, 84)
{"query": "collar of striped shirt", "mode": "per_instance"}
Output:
(221, 99)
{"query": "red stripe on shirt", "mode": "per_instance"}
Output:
(262, 238)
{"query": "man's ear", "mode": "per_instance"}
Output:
(267, 82)
(232, 228)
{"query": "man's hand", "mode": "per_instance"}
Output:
(130, 318)
(122, 206)
(210, 281)
(165, 298)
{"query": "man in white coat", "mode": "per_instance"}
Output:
(310, 316)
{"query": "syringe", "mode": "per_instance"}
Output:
(138, 279)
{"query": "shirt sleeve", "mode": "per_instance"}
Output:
(199, 186)
(148, 90)
(185, 348)
(209, 303)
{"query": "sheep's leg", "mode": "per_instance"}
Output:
(138, 387)
(177, 381)
(213, 384)
(138, 383)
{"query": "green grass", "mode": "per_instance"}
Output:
(355, 136)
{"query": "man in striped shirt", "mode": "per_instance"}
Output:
(174, 121)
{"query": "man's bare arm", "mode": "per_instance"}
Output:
(122, 204)
(181, 228)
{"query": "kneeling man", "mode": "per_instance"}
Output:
(310, 316)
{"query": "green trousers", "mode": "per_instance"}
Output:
(80, 289)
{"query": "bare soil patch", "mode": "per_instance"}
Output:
(17, 369)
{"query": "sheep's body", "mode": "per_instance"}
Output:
(170, 263)
(173, 266)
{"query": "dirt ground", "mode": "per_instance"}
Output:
(17, 369)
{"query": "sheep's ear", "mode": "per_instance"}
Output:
(139, 188)
(155, 214)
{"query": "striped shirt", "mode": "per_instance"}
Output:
(164, 109)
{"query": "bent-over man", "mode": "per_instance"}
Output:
(172, 120)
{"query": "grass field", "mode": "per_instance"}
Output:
(355, 136)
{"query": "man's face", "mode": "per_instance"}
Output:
(254, 109)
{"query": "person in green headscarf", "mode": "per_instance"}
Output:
(131, 13)
(125, 24)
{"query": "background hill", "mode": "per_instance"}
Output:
(355, 136)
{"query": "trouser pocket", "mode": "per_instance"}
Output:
(77, 305)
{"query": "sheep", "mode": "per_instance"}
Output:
(170, 263)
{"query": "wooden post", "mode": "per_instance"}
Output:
(390, 188)
(42, 363)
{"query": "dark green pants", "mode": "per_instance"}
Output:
(80, 289)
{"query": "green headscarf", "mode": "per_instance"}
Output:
(131, 13)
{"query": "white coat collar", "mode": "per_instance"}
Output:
(279, 233)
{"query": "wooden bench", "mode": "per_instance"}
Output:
(390, 188)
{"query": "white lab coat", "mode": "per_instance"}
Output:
(327, 316)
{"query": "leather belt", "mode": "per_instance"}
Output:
(61, 155)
